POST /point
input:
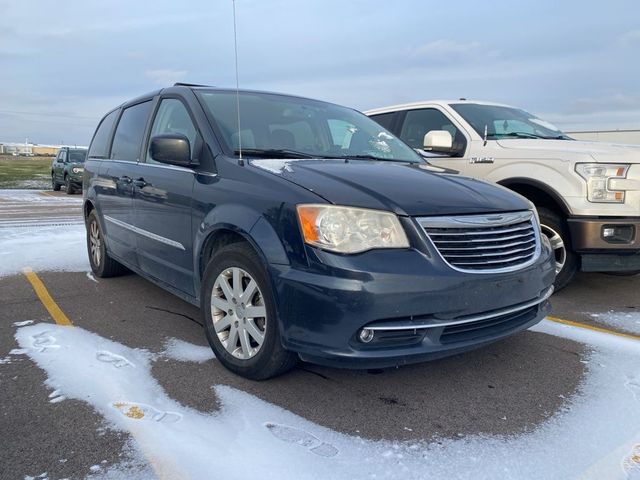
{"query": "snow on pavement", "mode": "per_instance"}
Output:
(595, 436)
(59, 248)
(180, 350)
(625, 321)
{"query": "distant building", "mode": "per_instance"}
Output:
(45, 150)
(32, 149)
(611, 136)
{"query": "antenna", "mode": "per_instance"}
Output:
(235, 45)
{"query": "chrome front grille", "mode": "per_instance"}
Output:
(485, 243)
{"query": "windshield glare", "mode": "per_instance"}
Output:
(310, 127)
(77, 156)
(506, 122)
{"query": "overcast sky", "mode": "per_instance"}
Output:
(64, 64)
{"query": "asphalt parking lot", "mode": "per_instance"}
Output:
(508, 389)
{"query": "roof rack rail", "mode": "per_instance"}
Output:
(182, 84)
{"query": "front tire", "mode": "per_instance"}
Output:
(240, 315)
(557, 231)
(101, 262)
(68, 185)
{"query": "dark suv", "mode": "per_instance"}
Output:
(67, 169)
(308, 230)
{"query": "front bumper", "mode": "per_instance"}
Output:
(76, 179)
(599, 253)
(419, 307)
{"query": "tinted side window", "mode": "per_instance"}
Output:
(127, 140)
(419, 122)
(63, 156)
(99, 146)
(385, 119)
(173, 117)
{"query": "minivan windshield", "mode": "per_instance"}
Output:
(506, 122)
(77, 156)
(279, 126)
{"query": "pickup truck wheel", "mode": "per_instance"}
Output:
(54, 185)
(101, 262)
(240, 316)
(68, 185)
(556, 230)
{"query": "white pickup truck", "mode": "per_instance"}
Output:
(587, 193)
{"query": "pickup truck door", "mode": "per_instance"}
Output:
(162, 204)
(412, 125)
(58, 166)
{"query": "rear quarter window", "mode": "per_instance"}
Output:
(99, 147)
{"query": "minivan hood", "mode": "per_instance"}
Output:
(599, 151)
(403, 188)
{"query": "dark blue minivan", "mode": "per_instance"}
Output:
(306, 230)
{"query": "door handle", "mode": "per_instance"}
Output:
(140, 182)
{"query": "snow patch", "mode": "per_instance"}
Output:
(595, 436)
(180, 350)
(276, 165)
(61, 248)
(91, 277)
(22, 324)
(627, 321)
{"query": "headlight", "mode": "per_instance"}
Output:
(350, 230)
(77, 170)
(597, 176)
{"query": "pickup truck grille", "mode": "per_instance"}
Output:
(485, 243)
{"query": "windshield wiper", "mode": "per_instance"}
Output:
(371, 157)
(277, 153)
(515, 134)
(528, 135)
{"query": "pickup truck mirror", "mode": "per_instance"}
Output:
(171, 148)
(438, 141)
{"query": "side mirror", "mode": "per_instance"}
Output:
(438, 141)
(171, 148)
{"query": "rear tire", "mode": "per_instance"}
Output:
(54, 185)
(101, 262)
(557, 231)
(233, 331)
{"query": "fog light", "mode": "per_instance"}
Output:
(366, 335)
(618, 233)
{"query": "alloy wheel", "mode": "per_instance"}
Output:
(557, 245)
(95, 243)
(239, 313)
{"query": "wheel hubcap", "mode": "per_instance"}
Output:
(95, 243)
(557, 245)
(239, 313)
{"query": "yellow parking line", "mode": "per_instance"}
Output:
(43, 294)
(594, 328)
(162, 469)
(48, 194)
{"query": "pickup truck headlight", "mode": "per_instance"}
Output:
(350, 230)
(597, 176)
(77, 169)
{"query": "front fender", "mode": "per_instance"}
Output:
(248, 223)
